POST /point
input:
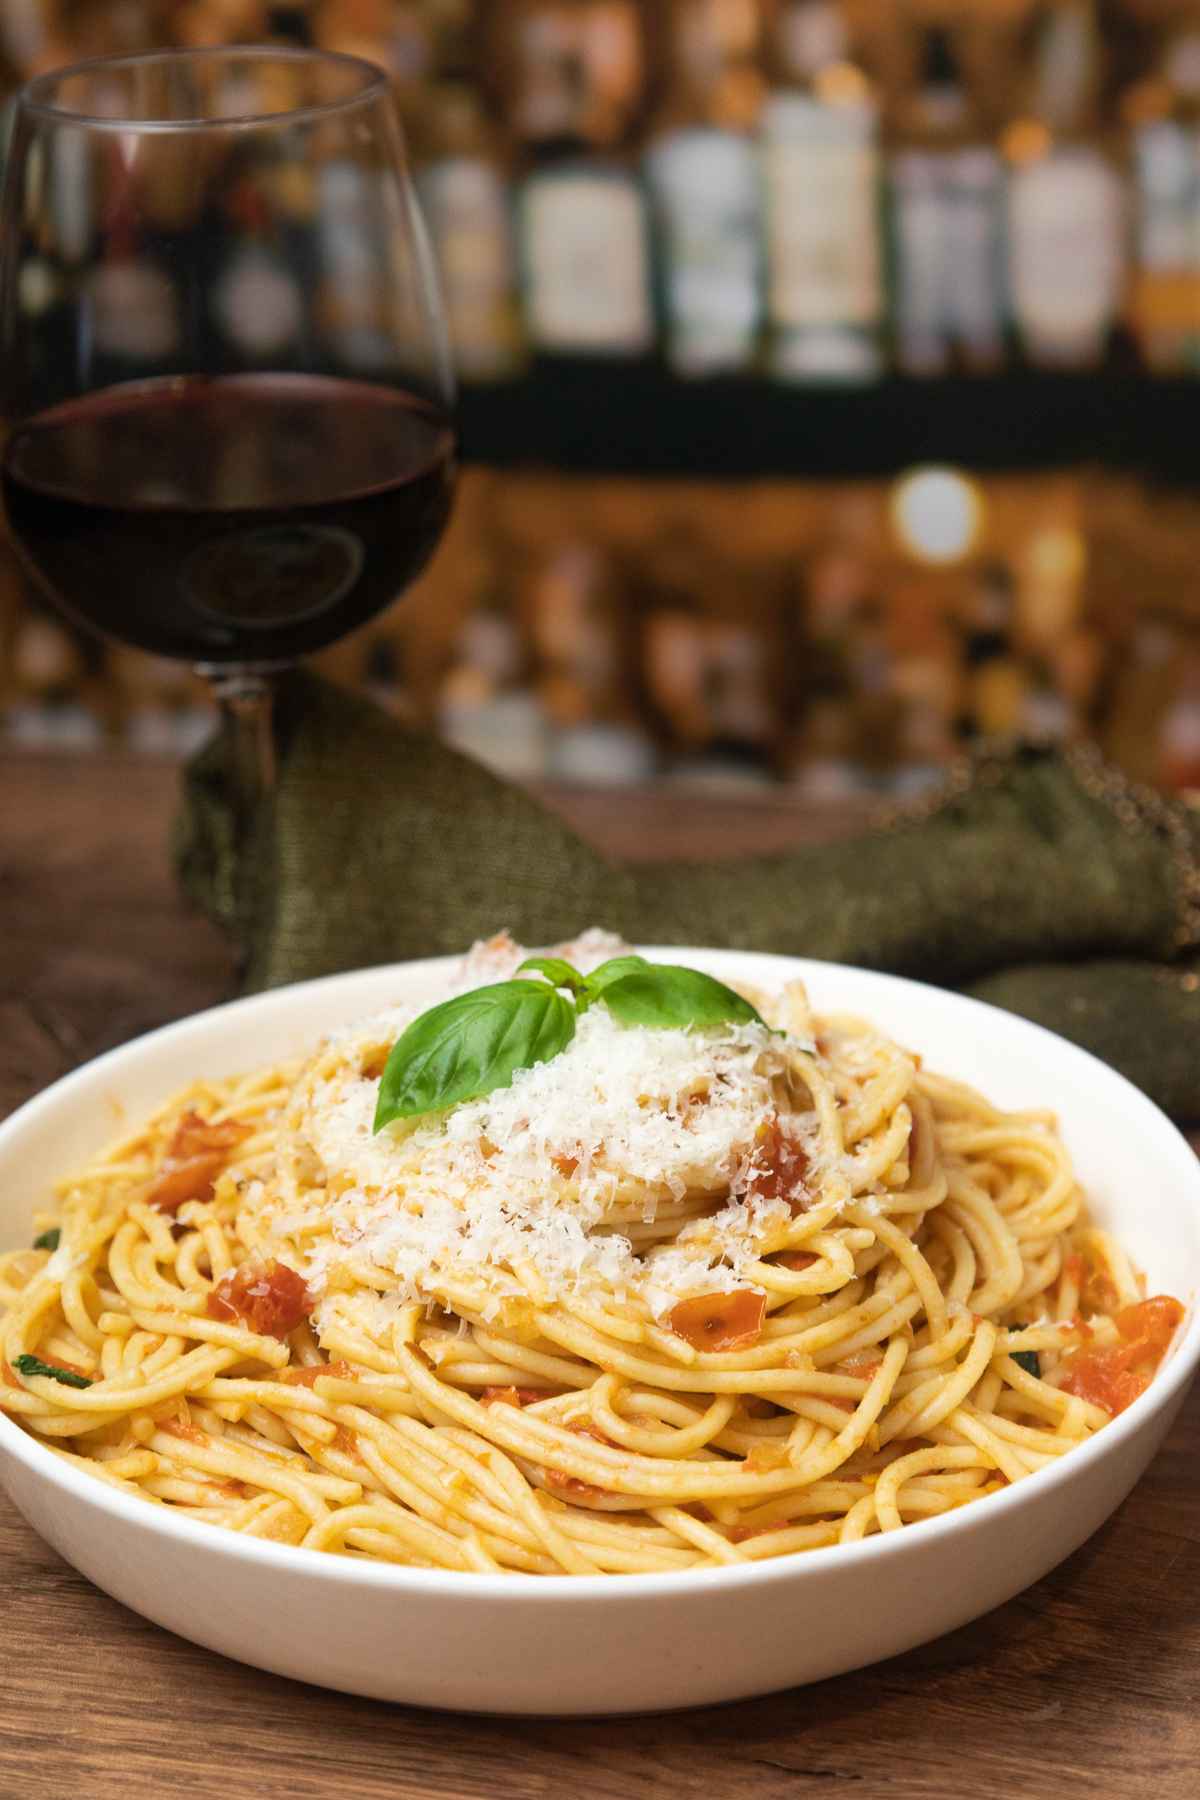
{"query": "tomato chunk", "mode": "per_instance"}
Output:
(1113, 1375)
(720, 1321)
(780, 1167)
(571, 1485)
(266, 1297)
(197, 1153)
(797, 1259)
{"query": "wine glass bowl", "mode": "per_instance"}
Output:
(223, 369)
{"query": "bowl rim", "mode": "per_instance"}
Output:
(464, 1586)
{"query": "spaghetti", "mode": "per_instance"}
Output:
(675, 1298)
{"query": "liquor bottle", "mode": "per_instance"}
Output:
(1066, 213)
(1163, 116)
(947, 218)
(463, 186)
(703, 178)
(581, 214)
(821, 170)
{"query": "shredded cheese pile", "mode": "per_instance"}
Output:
(555, 1173)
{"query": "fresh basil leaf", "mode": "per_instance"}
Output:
(48, 1239)
(468, 1046)
(31, 1365)
(612, 970)
(558, 973)
(1030, 1361)
(664, 995)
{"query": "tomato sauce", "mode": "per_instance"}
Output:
(268, 1298)
(196, 1155)
(308, 1375)
(780, 1167)
(571, 1485)
(1113, 1375)
(720, 1321)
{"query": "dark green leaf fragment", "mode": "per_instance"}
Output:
(665, 996)
(471, 1045)
(48, 1239)
(1029, 1361)
(30, 1365)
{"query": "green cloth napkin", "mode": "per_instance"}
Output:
(1041, 881)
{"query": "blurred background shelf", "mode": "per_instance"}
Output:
(982, 214)
(577, 415)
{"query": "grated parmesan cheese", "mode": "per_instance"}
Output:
(545, 1174)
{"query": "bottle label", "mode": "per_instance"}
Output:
(821, 171)
(706, 193)
(1066, 225)
(1168, 182)
(583, 236)
(975, 286)
(467, 208)
(922, 202)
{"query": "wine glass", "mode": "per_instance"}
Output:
(223, 367)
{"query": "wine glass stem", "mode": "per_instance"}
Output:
(246, 699)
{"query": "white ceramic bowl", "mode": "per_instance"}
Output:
(615, 1643)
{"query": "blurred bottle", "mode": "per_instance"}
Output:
(703, 175)
(486, 705)
(821, 170)
(581, 629)
(1163, 116)
(575, 81)
(463, 186)
(1066, 214)
(947, 191)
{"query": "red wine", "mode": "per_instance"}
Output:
(246, 518)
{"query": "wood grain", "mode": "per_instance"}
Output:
(1087, 1685)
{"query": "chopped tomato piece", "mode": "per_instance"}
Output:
(1112, 1376)
(566, 1165)
(798, 1259)
(720, 1321)
(780, 1167)
(196, 1155)
(514, 1396)
(571, 1485)
(861, 1362)
(307, 1374)
(1153, 1321)
(268, 1298)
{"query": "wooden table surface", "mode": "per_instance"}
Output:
(1089, 1684)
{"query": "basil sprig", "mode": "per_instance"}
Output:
(48, 1240)
(475, 1043)
(469, 1045)
(32, 1365)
